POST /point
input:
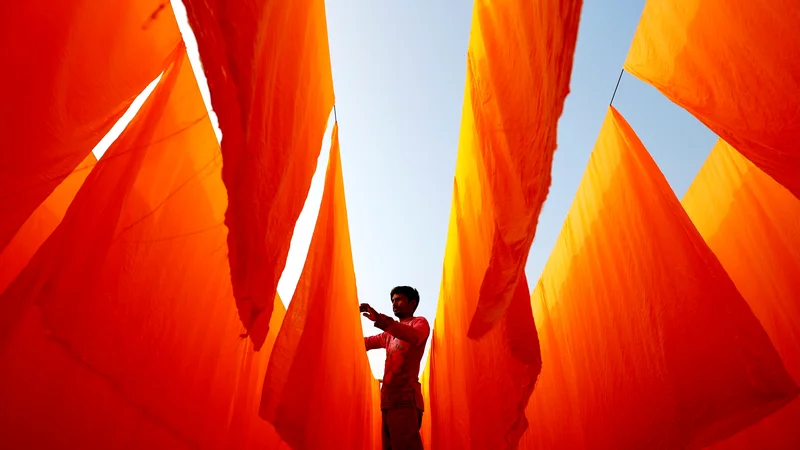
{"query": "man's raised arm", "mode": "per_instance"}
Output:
(414, 333)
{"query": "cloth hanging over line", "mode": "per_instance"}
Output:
(478, 387)
(752, 224)
(519, 64)
(99, 55)
(269, 71)
(128, 334)
(518, 51)
(41, 223)
(736, 67)
(321, 339)
(664, 353)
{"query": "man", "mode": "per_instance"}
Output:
(401, 393)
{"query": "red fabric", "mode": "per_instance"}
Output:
(646, 342)
(269, 72)
(404, 342)
(319, 391)
(752, 224)
(71, 69)
(519, 66)
(41, 223)
(121, 332)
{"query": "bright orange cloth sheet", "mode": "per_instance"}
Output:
(71, 69)
(126, 334)
(425, 381)
(478, 387)
(646, 343)
(733, 65)
(321, 339)
(752, 224)
(41, 223)
(269, 72)
(519, 64)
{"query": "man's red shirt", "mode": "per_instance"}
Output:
(404, 342)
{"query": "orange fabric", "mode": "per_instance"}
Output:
(72, 68)
(752, 224)
(646, 343)
(478, 387)
(321, 339)
(425, 380)
(519, 66)
(269, 71)
(41, 223)
(132, 341)
(377, 418)
(733, 65)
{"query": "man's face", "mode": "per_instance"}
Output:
(401, 306)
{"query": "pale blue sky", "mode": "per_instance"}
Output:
(399, 70)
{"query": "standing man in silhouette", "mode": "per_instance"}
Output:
(401, 393)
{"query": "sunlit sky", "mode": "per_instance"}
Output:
(399, 70)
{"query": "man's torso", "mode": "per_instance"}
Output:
(401, 385)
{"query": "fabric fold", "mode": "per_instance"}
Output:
(519, 64)
(736, 67)
(41, 223)
(478, 387)
(73, 69)
(125, 333)
(269, 72)
(646, 342)
(752, 224)
(321, 339)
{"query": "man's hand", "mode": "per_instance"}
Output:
(369, 313)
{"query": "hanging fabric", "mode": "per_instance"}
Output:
(519, 64)
(321, 339)
(736, 67)
(478, 387)
(71, 70)
(752, 224)
(125, 332)
(646, 342)
(269, 72)
(41, 223)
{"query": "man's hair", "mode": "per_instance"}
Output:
(408, 292)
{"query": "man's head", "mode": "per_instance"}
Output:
(405, 300)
